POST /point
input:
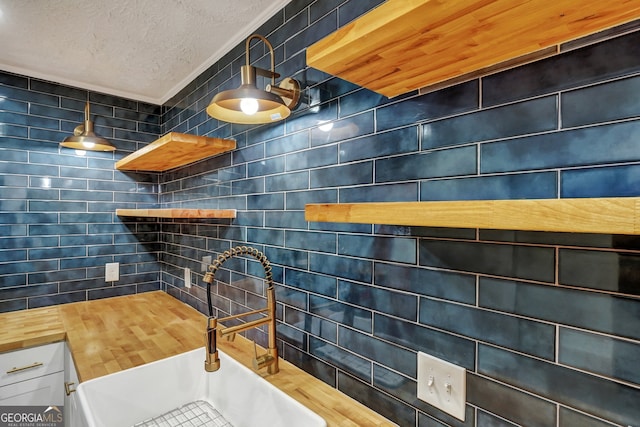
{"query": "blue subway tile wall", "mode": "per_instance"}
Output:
(58, 207)
(359, 301)
(545, 323)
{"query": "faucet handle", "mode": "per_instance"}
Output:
(263, 361)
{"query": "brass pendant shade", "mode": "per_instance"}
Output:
(249, 105)
(85, 139)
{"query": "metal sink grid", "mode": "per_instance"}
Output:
(194, 414)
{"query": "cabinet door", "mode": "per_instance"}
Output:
(40, 391)
(73, 416)
(25, 364)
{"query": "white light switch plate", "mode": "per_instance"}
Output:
(433, 376)
(206, 260)
(112, 272)
(187, 277)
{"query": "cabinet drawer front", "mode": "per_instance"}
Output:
(24, 364)
(45, 391)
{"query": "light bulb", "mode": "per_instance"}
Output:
(88, 145)
(249, 106)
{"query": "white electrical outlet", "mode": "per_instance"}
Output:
(187, 277)
(206, 261)
(112, 272)
(442, 384)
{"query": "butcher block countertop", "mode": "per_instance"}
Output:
(109, 335)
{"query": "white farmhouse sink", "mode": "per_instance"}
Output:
(242, 397)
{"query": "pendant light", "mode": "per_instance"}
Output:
(85, 139)
(250, 105)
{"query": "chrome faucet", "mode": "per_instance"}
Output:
(270, 358)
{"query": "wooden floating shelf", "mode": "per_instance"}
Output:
(178, 213)
(174, 150)
(405, 45)
(596, 215)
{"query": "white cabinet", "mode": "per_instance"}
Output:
(33, 376)
(73, 416)
(40, 391)
(41, 376)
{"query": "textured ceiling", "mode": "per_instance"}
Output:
(140, 49)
